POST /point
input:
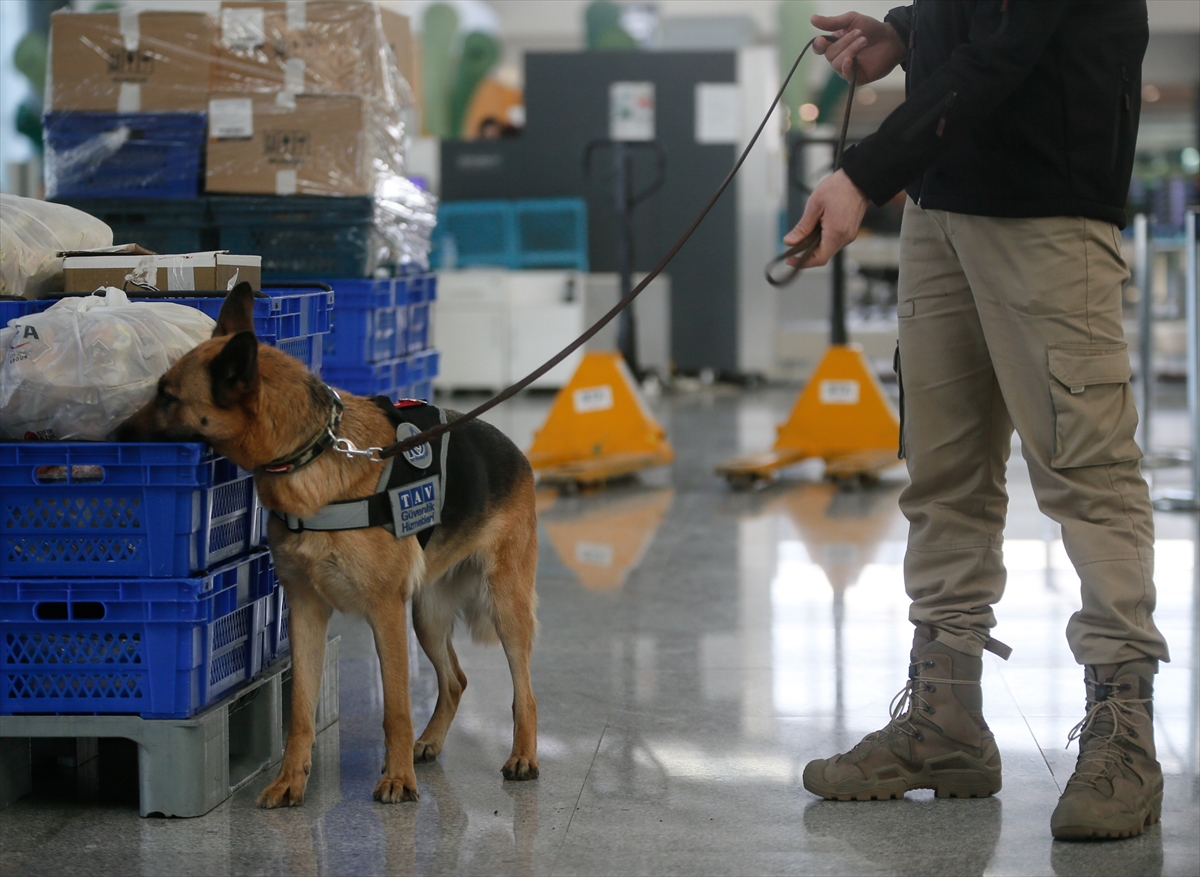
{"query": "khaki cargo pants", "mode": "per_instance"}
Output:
(1016, 323)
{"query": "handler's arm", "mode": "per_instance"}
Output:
(1006, 39)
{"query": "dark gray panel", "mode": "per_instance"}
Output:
(566, 100)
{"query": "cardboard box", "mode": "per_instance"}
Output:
(320, 47)
(129, 62)
(182, 272)
(307, 144)
(398, 34)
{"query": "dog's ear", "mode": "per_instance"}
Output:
(237, 312)
(234, 370)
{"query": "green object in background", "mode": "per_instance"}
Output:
(479, 55)
(795, 29)
(437, 66)
(602, 20)
(831, 96)
(29, 58)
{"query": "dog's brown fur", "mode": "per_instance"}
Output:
(255, 404)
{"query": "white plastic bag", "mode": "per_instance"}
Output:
(32, 234)
(81, 367)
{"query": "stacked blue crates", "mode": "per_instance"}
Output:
(380, 342)
(134, 578)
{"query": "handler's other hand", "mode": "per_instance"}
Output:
(837, 205)
(875, 44)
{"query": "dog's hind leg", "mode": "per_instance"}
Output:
(306, 627)
(433, 622)
(387, 618)
(511, 580)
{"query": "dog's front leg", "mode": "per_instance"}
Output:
(307, 627)
(399, 781)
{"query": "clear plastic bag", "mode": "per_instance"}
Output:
(78, 369)
(32, 234)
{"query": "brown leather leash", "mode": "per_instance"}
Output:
(506, 394)
(808, 244)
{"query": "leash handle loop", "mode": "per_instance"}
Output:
(809, 243)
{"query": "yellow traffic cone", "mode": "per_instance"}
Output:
(598, 428)
(842, 416)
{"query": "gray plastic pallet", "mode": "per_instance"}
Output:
(186, 767)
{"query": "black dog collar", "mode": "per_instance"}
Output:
(319, 445)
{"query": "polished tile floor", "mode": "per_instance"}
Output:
(697, 648)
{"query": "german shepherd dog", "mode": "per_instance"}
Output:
(255, 404)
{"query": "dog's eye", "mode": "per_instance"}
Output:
(165, 399)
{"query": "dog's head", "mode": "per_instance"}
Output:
(214, 393)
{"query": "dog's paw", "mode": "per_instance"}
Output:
(426, 751)
(394, 790)
(520, 768)
(286, 791)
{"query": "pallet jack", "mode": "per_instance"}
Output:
(842, 416)
(599, 428)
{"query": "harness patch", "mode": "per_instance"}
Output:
(422, 455)
(416, 506)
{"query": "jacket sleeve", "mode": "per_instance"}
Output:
(900, 19)
(1005, 41)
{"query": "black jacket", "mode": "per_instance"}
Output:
(1014, 108)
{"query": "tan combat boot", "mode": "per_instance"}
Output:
(937, 738)
(1117, 787)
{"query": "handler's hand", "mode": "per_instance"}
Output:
(875, 44)
(837, 205)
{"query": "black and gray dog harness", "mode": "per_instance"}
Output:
(412, 487)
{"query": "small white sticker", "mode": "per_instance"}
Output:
(230, 118)
(838, 392)
(593, 399)
(594, 553)
(286, 182)
(718, 112)
(293, 75)
(297, 17)
(631, 110)
(129, 98)
(243, 30)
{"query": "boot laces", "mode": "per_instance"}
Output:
(1097, 761)
(910, 701)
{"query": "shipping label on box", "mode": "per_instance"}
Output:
(151, 274)
(317, 47)
(288, 145)
(129, 62)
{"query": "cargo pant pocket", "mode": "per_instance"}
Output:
(899, 383)
(1094, 414)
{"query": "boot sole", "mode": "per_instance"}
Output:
(957, 775)
(1096, 832)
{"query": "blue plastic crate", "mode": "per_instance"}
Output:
(422, 290)
(285, 314)
(124, 155)
(484, 233)
(552, 233)
(422, 366)
(294, 320)
(369, 379)
(163, 225)
(79, 648)
(364, 324)
(103, 509)
(299, 237)
(281, 640)
(307, 349)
